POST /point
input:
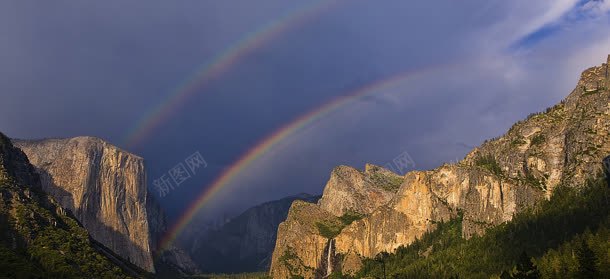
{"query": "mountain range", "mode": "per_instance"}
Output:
(364, 214)
(81, 206)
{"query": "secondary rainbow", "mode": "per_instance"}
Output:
(276, 137)
(220, 64)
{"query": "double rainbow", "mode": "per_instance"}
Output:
(220, 64)
(265, 145)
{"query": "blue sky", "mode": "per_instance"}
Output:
(95, 68)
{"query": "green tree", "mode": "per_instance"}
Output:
(381, 257)
(587, 260)
(525, 268)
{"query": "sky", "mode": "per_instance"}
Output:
(168, 79)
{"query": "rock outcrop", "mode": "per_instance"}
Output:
(300, 247)
(563, 145)
(350, 190)
(103, 186)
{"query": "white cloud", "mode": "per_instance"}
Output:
(596, 7)
(518, 19)
(555, 10)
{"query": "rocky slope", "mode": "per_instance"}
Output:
(501, 177)
(38, 238)
(245, 243)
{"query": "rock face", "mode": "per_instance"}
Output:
(103, 186)
(300, 248)
(39, 238)
(501, 177)
(245, 243)
(350, 190)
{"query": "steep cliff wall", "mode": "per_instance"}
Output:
(103, 186)
(38, 238)
(501, 177)
(300, 246)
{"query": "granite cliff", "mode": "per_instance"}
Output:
(103, 186)
(362, 214)
(39, 239)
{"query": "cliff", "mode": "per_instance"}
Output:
(351, 191)
(562, 145)
(38, 238)
(103, 186)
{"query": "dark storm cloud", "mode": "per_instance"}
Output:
(74, 68)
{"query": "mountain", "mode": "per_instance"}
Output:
(105, 188)
(39, 238)
(245, 243)
(503, 177)
(567, 236)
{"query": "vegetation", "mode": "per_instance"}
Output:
(538, 139)
(595, 91)
(293, 263)
(532, 180)
(49, 246)
(37, 241)
(567, 236)
(330, 229)
(254, 275)
(489, 163)
(518, 141)
(349, 217)
(387, 182)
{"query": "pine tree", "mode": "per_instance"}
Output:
(587, 260)
(526, 268)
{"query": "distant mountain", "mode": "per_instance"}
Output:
(363, 214)
(39, 239)
(245, 243)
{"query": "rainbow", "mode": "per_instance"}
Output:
(220, 64)
(279, 135)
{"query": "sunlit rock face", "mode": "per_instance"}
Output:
(300, 247)
(566, 144)
(351, 190)
(103, 186)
